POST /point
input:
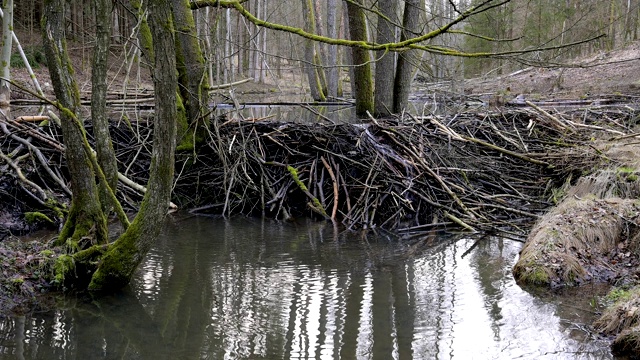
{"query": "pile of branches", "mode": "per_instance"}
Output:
(476, 170)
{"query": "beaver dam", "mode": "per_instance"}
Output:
(478, 171)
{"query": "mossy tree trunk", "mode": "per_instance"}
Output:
(144, 32)
(85, 218)
(124, 256)
(104, 147)
(313, 73)
(363, 81)
(191, 73)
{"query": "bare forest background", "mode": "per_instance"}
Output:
(236, 49)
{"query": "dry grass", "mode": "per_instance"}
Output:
(627, 343)
(622, 182)
(624, 313)
(571, 242)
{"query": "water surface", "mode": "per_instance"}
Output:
(254, 289)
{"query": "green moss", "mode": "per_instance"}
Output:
(536, 276)
(626, 173)
(618, 294)
(117, 265)
(185, 139)
(34, 217)
(315, 203)
(626, 169)
(47, 253)
(63, 265)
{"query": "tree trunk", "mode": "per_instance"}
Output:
(104, 147)
(385, 67)
(85, 218)
(363, 82)
(191, 71)
(144, 32)
(408, 60)
(124, 256)
(310, 52)
(332, 50)
(7, 30)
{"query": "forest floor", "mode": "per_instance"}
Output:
(606, 73)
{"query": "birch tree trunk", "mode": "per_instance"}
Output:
(7, 31)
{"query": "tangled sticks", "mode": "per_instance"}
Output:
(479, 171)
(483, 171)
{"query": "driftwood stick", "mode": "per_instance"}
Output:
(39, 156)
(335, 188)
(23, 179)
(553, 119)
(344, 185)
(32, 118)
(315, 204)
(139, 188)
(595, 127)
(228, 85)
(36, 134)
(505, 151)
(459, 222)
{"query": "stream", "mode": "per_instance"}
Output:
(257, 289)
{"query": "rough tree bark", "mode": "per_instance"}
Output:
(191, 72)
(332, 50)
(124, 256)
(85, 218)
(104, 147)
(315, 85)
(385, 66)
(363, 82)
(144, 32)
(407, 60)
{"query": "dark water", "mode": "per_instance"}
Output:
(252, 289)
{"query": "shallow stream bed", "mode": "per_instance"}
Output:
(253, 289)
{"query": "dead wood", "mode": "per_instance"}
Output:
(472, 170)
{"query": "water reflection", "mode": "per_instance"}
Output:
(216, 289)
